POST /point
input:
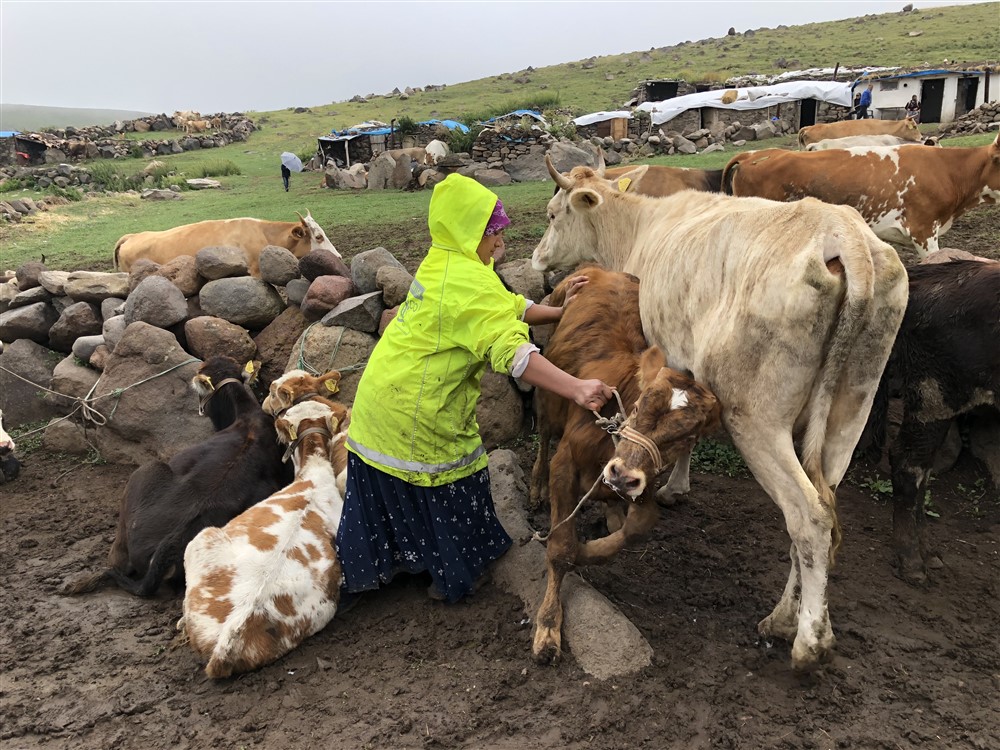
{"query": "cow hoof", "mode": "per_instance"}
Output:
(805, 660)
(547, 646)
(912, 571)
(773, 627)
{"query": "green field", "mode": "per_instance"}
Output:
(83, 234)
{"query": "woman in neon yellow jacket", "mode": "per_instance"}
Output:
(418, 493)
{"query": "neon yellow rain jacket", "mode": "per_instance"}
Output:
(414, 415)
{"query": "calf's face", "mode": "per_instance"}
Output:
(297, 385)
(673, 411)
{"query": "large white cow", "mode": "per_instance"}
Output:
(786, 311)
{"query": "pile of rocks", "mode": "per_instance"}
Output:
(14, 209)
(93, 334)
(983, 118)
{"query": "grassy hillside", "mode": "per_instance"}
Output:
(31, 117)
(968, 32)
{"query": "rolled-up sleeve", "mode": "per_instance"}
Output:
(490, 327)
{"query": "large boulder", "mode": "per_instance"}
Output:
(214, 337)
(72, 381)
(54, 282)
(322, 348)
(27, 274)
(278, 266)
(156, 301)
(394, 283)
(94, 286)
(324, 294)
(322, 263)
(26, 368)
(30, 297)
(522, 279)
(221, 262)
(32, 322)
(380, 172)
(156, 413)
(182, 272)
(77, 320)
(362, 313)
(500, 410)
(112, 330)
(141, 269)
(245, 301)
(564, 157)
(365, 266)
(276, 342)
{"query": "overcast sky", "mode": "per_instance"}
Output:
(229, 56)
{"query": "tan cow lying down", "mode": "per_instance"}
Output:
(270, 578)
(600, 336)
(298, 386)
(786, 311)
(906, 129)
(909, 195)
(250, 235)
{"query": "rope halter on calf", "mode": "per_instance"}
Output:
(203, 401)
(297, 440)
(617, 427)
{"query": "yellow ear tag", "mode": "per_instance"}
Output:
(292, 435)
(623, 184)
(331, 385)
(248, 368)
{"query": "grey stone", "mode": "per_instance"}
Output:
(387, 317)
(491, 177)
(137, 430)
(296, 290)
(394, 283)
(221, 262)
(522, 279)
(54, 282)
(30, 296)
(8, 292)
(141, 269)
(364, 268)
(155, 301)
(89, 286)
(65, 436)
(59, 304)
(564, 157)
(361, 313)
(278, 266)
(27, 273)
(157, 194)
(324, 294)
(276, 342)
(713, 148)
(499, 410)
(333, 348)
(182, 272)
(683, 145)
(21, 401)
(603, 641)
(111, 307)
(32, 322)
(85, 346)
(202, 183)
(72, 380)
(322, 263)
(245, 301)
(209, 337)
(79, 319)
(745, 133)
(112, 331)
(380, 172)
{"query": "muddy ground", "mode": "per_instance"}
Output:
(914, 668)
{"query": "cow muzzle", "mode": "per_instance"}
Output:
(624, 480)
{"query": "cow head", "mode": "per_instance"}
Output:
(911, 131)
(297, 386)
(571, 237)
(310, 236)
(991, 173)
(673, 411)
(304, 419)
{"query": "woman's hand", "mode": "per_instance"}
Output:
(576, 283)
(592, 394)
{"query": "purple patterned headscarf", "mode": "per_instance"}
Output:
(498, 221)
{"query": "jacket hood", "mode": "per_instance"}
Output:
(459, 211)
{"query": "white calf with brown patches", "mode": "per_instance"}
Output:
(298, 386)
(270, 578)
(909, 195)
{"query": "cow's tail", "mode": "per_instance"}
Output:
(168, 553)
(87, 583)
(118, 247)
(729, 175)
(854, 314)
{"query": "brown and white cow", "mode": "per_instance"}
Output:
(10, 467)
(909, 195)
(270, 578)
(786, 312)
(906, 129)
(297, 386)
(250, 235)
(196, 126)
(590, 343)
(945, 362)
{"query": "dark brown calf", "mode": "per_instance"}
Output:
(166, 504)
(945, 362)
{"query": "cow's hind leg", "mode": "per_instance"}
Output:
(560, 555)
(770, 455)
(911, 456)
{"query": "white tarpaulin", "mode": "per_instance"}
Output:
(756, 97)
(602, 117)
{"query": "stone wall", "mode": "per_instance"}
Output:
(983, 118)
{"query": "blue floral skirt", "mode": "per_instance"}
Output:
(390, 526)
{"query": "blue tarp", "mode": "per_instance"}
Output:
(9, 133)
(450, 124)
(518, 113)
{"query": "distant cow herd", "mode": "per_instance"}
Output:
(762, 297)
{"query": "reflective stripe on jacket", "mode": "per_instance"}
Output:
(414, 415)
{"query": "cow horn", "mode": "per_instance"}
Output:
(301, 217)
(560, 179)
(600, 163)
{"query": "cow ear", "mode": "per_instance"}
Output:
(585, 199)
(286, 394)
(650, 364)
(330, 381)
(298, 232)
